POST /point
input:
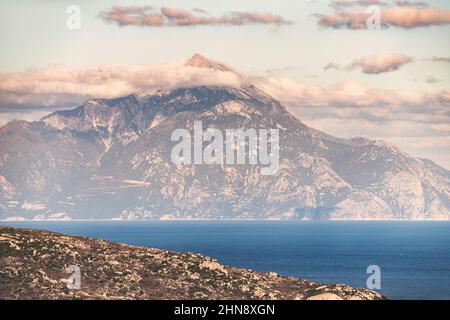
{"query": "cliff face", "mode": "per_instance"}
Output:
(33, 265)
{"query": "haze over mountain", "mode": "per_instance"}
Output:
(110, 158)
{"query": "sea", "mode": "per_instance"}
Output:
(413, 257)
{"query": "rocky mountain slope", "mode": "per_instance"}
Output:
(33, 266)
(111, 159)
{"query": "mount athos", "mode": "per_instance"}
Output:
(111, 159)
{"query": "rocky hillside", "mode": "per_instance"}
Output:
(112, 159)
(33, 265)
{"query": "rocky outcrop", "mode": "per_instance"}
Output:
(33, 265)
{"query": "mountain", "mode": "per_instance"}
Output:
(199, 61)
(34, 264)
(111, 158)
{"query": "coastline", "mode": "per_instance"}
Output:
(119, 271)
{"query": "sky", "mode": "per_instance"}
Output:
(391, 83)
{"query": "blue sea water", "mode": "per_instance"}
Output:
(414, 257)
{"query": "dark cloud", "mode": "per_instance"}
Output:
(331, 65)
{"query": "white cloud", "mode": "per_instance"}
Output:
(406, 17)
(65, 85)
(381, 63)
(375, 64)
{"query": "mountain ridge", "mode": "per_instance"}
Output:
(111, 157)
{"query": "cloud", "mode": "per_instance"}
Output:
(338, 4)
(200, 10)
(375, 64)
(432, 79)
(410, 17)
(348, 109)
(344, 19)
(380, 63)
(132, 15)
(331, 65)
(64, 86)
(406, 17)
(168, 16)
(444, 127)
(411, 3)
(59, 86)
(438, 59)
(351, 95)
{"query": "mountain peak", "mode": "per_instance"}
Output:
(199, 61)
